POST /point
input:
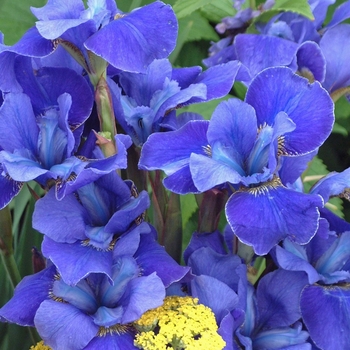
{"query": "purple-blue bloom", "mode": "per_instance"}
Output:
(146, 102)
(129, 42)
(41, 130)
(82, 228)
(246, 153)
(99, 309)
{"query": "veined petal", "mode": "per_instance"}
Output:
(140, 37)
(55, 320)
(144, 293)
(63, 221)
(278, 296)
(28, 296)
(215, 294)
(263, 216)
(325, 311)
(21, 166)
(277, 90)
(17, 124)
(337, 56)
(141, 87)
(8, 189)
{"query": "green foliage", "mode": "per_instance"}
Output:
(217, 10)
(300, 7)
(184, 8)
(16, 18)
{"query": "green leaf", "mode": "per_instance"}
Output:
(200, 28)
(217, 10)
(16, 18)
(205, 109)
(184, 8)
(298, 6)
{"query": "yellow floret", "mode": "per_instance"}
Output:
(40, 346)
(180, 323)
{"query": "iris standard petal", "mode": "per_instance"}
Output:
(263, 216)
(232, 132)
(277, 90)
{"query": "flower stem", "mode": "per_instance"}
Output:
(8, 259)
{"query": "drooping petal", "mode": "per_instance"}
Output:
(337, 56)
(144, 293)
(279, 89)
(215, 294)
(278, 296)
(325, 311)
(28, 296)
(63, 221)
(214, 240)
(17, 124)
(143, 35)
(291, 262)
(152, 257)
(75, 261)
(333, 184)
(8, 189)
(205, 261)
(118, 341)
(55, 320)
(263, 216)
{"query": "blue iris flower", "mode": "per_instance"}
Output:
(82, 228)
(128, 42)
(41, 130)
(242, 146)
(97, 312)
(145, 103)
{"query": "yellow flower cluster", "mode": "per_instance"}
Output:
(40, 346)
(180, 323)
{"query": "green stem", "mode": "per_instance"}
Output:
(252, 4)
(8, 259)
